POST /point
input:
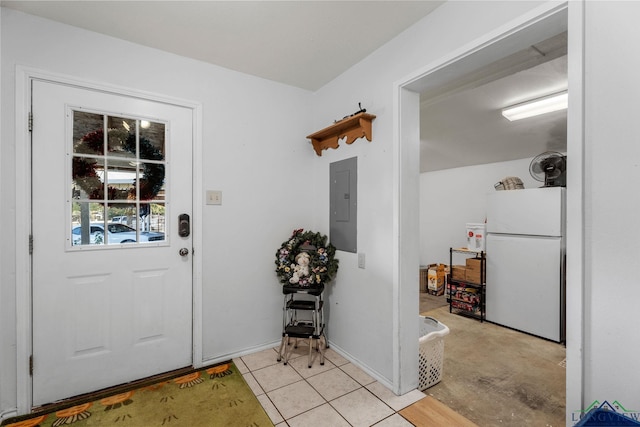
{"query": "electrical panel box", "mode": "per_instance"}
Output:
(343, 213)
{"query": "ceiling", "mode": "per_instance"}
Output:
(301, 43)
(307, 44)
(461, 121)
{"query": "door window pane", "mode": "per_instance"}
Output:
(122, 213)
(157, 219)
(122, 175)
(152, 181)
(87, 178)
(87, 224)
(152, 221)
(88, 133)
(122, 137)
(152, 140)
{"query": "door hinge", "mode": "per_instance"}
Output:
(30, 244)
(31, 365)
(30, 123)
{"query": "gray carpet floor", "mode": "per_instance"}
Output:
(495, 376)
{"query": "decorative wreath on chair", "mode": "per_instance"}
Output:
(306, 259)
(85, 175)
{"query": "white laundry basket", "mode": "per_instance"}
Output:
(431, 348)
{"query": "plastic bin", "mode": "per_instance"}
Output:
(431, 351)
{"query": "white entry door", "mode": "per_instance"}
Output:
(111, 263)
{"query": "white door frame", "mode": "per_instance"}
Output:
(406, 109)
(24, 76)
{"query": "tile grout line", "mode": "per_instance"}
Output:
(325, 401)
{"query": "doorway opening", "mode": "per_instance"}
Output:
(539, 27)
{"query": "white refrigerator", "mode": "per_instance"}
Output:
(525, 261)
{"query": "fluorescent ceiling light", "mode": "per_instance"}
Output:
(547, 104)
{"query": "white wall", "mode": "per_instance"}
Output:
(362, 300)
(254, 150)
(612, 202)
(451, 198)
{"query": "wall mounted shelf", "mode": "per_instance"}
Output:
(352, 127)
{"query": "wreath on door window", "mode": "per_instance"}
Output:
(306, 259)
(86, 177)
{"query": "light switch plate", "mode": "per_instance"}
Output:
(214, 197)
(360, 260)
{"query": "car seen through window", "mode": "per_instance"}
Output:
(116, 234)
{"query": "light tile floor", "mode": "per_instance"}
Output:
(335, 394)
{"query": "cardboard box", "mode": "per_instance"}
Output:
(437, 292)
(473, 271)
(458, 272)
(474, 264)
(423, 279)
(435, 277)
(473, 277)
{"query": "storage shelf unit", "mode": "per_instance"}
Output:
(466, 295)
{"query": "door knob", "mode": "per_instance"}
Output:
(183, 252)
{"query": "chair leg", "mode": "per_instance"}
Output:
(282, 347)
(287, 350)
(310, 349)
(322, 344)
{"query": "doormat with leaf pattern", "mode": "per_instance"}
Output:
(216, 396)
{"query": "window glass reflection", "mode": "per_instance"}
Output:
(87, 178)
(152, 140)
(88, 133)
(118, 181)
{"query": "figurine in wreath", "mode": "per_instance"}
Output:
(306, 259)
(301, 269)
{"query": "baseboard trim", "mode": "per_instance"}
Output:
(250, 350)
(373, 373)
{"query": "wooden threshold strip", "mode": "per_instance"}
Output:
(431, 412)
(122, 388)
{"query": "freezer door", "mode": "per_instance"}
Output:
(525, 285)
(532, 211)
